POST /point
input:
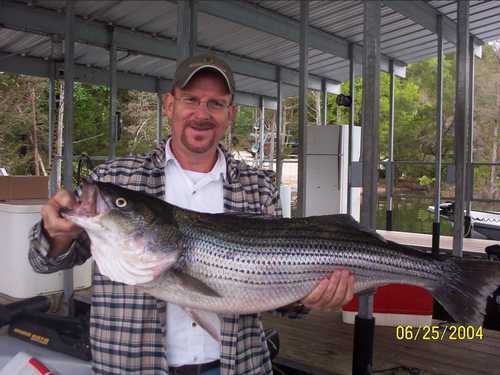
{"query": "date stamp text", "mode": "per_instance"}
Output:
(439, 332)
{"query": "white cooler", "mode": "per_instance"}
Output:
(60, 364)
(17, 278)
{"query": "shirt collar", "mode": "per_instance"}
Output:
(219, 170)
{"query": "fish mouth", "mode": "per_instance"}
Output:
(92, 203)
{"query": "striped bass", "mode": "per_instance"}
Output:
(238, 264)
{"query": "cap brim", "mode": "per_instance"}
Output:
(208, 66)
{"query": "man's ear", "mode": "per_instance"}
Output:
(168, 105)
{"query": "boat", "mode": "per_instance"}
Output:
(483, 224)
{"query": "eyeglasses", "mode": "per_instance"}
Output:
(193, 103)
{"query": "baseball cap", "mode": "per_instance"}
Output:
(192, 65)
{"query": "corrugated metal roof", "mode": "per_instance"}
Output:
(484, 19)
(13, 41)
(401, 38)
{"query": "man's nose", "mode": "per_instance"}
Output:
(202, 110)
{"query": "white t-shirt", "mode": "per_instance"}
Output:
(187, 343)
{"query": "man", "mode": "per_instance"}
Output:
(132, 332)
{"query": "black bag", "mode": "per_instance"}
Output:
(492, 318)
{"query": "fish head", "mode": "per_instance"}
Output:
(134, 237)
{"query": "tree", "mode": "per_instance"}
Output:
(24, 108)
(22, 149)
(487, 120)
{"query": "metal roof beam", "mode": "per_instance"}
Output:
(43, 21)
(36, 66)
(426, 15)
(271, 22)
(21, 17)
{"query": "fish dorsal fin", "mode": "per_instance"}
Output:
(348, 224)
(337, 227)
(248, 215)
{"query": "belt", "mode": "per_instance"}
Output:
(193, 369)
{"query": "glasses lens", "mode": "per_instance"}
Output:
(216, 105)
(213, 105)
(190, 101)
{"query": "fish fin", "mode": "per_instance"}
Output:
(194, 284)
(465, 288)
(246, 215)
(204, 323)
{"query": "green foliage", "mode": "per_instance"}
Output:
(487, 122)
(91, 115)
(425, 180)
(246, 119)
(16, 122)
(414, 115)
(415, 119)
(91, 121)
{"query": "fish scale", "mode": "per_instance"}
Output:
(315, 251)
(230, 263)
(236, 263)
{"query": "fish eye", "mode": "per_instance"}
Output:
(120, 202)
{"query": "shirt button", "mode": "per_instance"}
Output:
(193, 324)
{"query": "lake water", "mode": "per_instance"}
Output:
(410, 215)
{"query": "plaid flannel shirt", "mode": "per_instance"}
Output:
(127, 327)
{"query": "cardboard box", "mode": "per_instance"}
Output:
(23, 187)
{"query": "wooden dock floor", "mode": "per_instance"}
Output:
(322, 344)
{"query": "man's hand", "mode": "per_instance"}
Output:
(331, 293)
(61, 232)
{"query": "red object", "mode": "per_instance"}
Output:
(398, 299)
(40, 367)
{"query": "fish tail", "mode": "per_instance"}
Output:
(466, 287)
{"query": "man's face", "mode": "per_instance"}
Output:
(197, 129)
